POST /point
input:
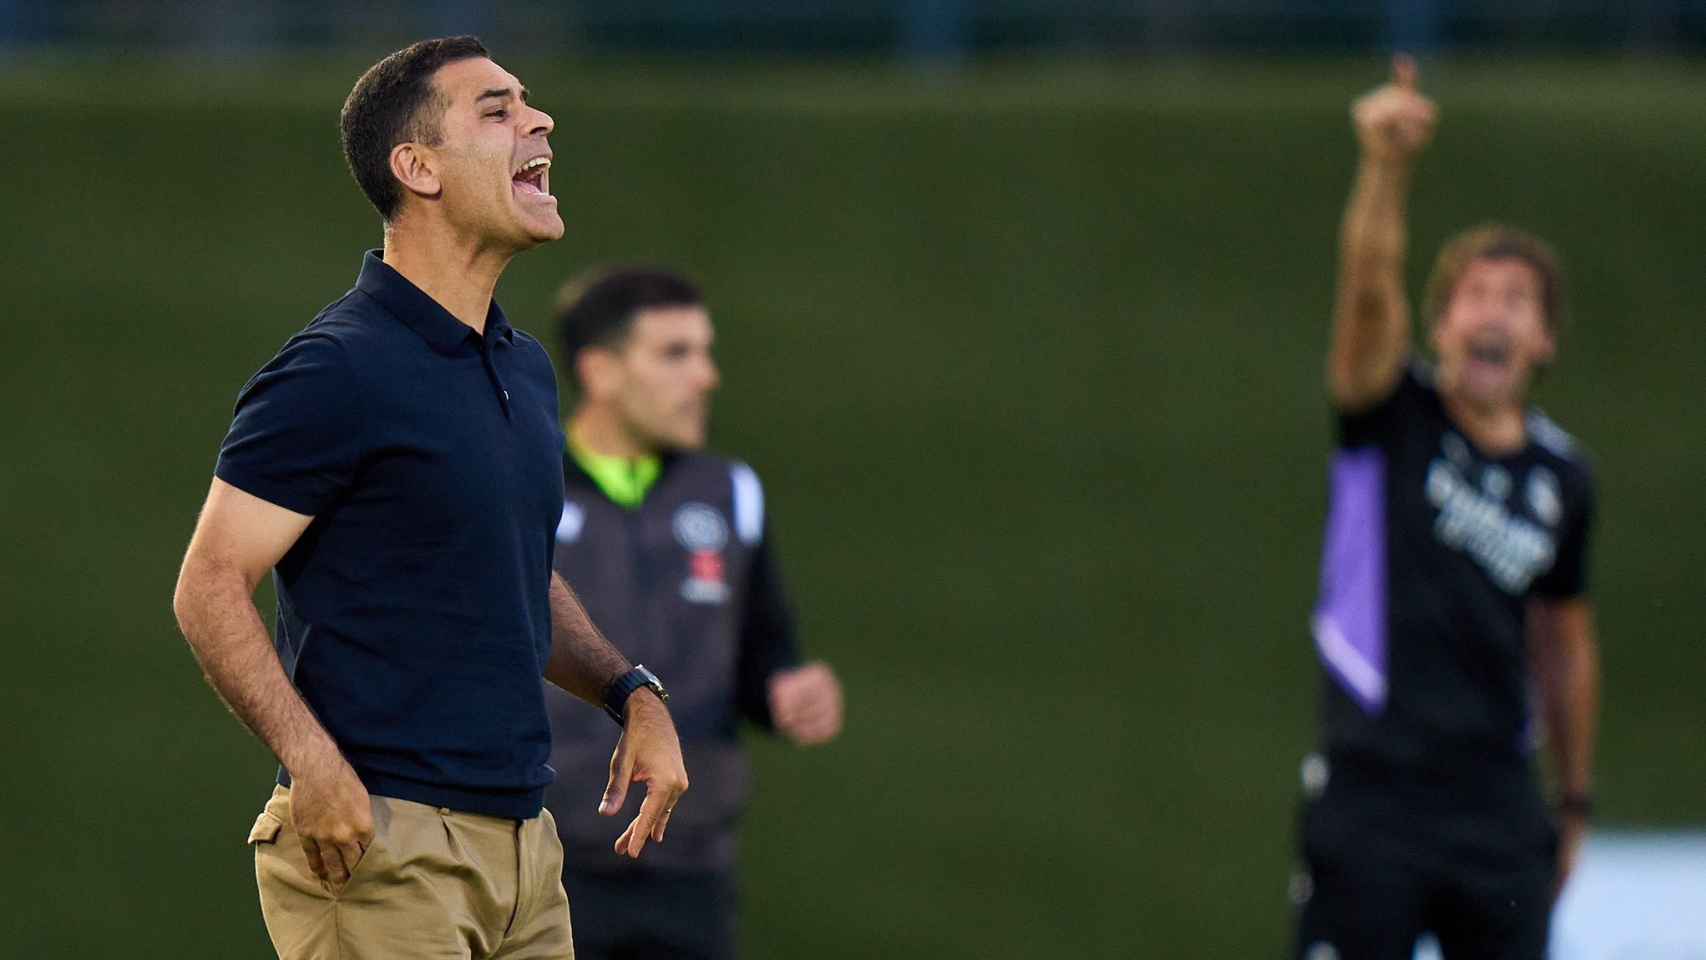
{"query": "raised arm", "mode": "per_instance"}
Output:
(584, 663)
(237, 540)
(1371, 317)
(1564, 651)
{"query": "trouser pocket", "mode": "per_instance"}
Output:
(277, 846)
(265, 830)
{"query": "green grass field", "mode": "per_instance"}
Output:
(1029, 359)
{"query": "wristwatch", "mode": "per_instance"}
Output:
(616, 695)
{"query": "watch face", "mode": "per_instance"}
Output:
(651, 681)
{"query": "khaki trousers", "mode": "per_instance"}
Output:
(434, 883)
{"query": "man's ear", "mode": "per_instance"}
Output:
(416, 168)
(1548, 347)
(596, 368)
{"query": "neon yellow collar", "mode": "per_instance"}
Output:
(626, 481)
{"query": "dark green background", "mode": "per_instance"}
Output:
(1029, 358)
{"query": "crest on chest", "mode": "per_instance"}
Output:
(703, 532)
(1506, 525)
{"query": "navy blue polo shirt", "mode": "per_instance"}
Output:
(413, 612)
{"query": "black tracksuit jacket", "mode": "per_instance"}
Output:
(686, 584)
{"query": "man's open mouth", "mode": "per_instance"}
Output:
(533, 177)
(1497, 354)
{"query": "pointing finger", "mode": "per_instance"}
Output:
(1404, 71)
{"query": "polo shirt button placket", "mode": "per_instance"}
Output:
(492, 371)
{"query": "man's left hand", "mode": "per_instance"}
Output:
(805, 703)
(648, 752)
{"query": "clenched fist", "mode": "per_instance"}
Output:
(805, 703)
(1394, 122)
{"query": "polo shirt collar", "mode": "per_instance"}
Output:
(410, 304)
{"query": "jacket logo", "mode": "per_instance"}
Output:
(699, 527)
(705, 582)
(704, 532)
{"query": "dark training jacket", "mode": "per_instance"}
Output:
(687, 585)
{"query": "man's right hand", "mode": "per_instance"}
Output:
(333, 817)
(1394, 122)
(648, 752)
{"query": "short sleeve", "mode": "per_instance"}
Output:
(1569, 574)
(1383, 420)
(295, 440)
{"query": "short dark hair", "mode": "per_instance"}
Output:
(395, 102)
(1496, 241)
(597, 308)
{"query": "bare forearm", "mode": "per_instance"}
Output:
(1564, 649)
(1371, 320)
(1570, 687)
(582, 661)
(224, 630)
(1372, 240)
(1370, 314)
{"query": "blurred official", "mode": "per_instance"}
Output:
(1453, 589)
(397, 466)
(670, 548)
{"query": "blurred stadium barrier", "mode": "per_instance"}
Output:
(941, 31)
(1637, 895)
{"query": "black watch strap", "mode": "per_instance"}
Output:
(1576, 805)
(616, 695)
